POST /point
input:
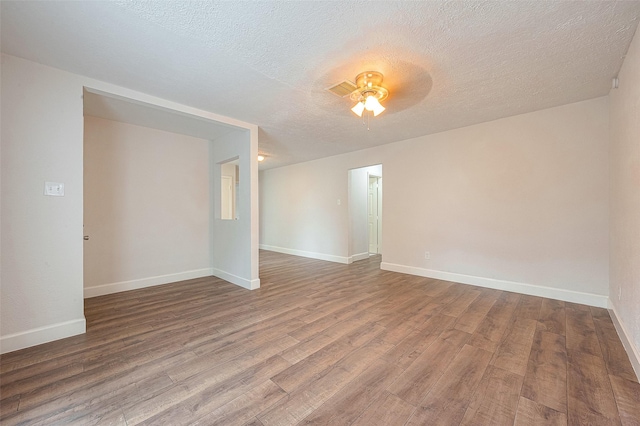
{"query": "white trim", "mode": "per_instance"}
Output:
(101, 290)
(310, 254)
(234, 279)
(625, 338)
(40, 335)
(359, 256)
(531, 289)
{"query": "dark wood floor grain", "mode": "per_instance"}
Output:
(325, 343)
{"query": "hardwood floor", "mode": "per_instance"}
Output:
(324, 343)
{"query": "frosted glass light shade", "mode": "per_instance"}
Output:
(371, 103)
(358, 109)
(378, 109)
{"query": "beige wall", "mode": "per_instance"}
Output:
(625, 200)
(146, 207)
(518, 203)
(41, 242)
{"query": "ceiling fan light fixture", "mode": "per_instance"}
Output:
(369, 93)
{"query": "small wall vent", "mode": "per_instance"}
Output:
(343, 89)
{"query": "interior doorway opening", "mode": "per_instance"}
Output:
(152, 196)
(365, 212)
(229, 177)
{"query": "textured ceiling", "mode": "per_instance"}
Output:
(446, 64)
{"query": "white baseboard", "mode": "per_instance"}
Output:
(627, 342)
(40, 335)
(310, 254)
(103, 289)
(359, 256)
(234, 279)
(530, 289)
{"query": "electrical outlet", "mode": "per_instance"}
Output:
(55, 189)
(427, 255)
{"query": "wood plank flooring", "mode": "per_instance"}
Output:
(325, 343)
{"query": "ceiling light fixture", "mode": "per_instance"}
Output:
(260, 157)
(369, 93)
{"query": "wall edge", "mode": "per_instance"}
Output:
(632, 352)
(309, 254)
(118, 287)
(40, 335)
(590, 299)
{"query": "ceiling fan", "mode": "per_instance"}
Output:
(367, 92)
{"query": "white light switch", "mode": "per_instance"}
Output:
(55, 189)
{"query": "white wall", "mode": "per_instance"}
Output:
(41, 237)
(625, 202)
(146, 207)
(518, 203)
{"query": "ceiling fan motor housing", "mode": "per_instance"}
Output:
(369, 84)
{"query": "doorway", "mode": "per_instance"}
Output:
(229, 178)
(227, 198)
(365, 212)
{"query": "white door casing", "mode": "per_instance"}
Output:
(373, 214)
